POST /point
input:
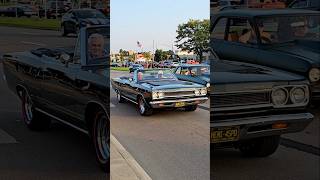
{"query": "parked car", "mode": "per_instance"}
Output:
(75, 19)
(158, 88)
(12, 11)
(197, 73)
(67, 86)
(305, 4)
(286, 39)
(134, 67)
(253, 105)
(115, 65)
(54, 9)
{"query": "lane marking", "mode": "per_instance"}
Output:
(33, 43)
(139, 171)
(5, 138)
(29, 33)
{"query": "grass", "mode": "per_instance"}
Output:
(35, 23)
(120, 68)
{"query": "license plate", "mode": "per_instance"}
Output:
(224, 134)
(180, 104)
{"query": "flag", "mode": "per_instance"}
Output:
(139, 44)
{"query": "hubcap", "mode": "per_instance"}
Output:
(141, 106)
(102, 138)
(28, 109)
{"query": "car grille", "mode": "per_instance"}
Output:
(239, 99)
(179, 94)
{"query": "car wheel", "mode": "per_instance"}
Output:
(63, 30)
(119, 97)
(191, 108)
(143, 108)
(260, 147)
(101, 139)
(31, 117)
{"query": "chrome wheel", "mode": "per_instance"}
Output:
(101, 135)
(142, 108)
(27, 109)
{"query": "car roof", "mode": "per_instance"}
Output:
(252, 12)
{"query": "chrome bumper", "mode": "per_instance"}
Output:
(261, 126)
(172, 103)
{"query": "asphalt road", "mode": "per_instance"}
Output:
(59, 153)
(169, 144)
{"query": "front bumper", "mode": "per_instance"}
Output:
(255, 127)
(173, 103)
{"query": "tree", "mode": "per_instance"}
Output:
(147, 55)
(161, 55)
(194, 36)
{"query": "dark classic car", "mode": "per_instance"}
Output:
(197, 73)
(286, 39)
(252, 105)
(305, 4)
(75, 19)
(70, 87)
(158, 88)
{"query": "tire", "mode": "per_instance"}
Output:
(31, 117)
(63, 31)
(191, 108)
(260, 147)
(143, 108)
(119, 97)
(100, 134)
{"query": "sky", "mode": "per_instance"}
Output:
(149, 21)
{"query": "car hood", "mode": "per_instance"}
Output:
(95, 21)
(303, 50)
(170, 84)
(227, 72)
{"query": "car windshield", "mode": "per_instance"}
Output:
(289, 28)
(155, 75)
(89, 14)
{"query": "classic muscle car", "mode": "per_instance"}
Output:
(158, 88)
(197, 73)
(70, 87)
(252, 105)
(286, 39)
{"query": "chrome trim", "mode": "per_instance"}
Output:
(179, 100)
(236, 92)
(293, 105)
(129, 99)
(62, 121)
(242, 107)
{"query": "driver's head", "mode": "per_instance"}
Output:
(96, 45)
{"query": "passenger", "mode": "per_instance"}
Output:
(140, 76)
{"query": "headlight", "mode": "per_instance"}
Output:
(197, 92)
(203, 91)
(208, 85)
(279, 96)
(314, 74)
(298, 95)
(160, 95)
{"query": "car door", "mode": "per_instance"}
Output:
(233, 45)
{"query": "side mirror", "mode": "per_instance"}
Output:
(65, 59)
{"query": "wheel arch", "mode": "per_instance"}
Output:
(20, 88)
(91, 108)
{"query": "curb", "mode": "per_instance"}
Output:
(138, 170)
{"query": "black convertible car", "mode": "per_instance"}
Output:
(158, 88)
(286, 39)
(70, 87)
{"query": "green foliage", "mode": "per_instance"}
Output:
(194, 36)
(36, 23)
(161, 55)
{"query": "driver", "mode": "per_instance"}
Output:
(96, 46)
